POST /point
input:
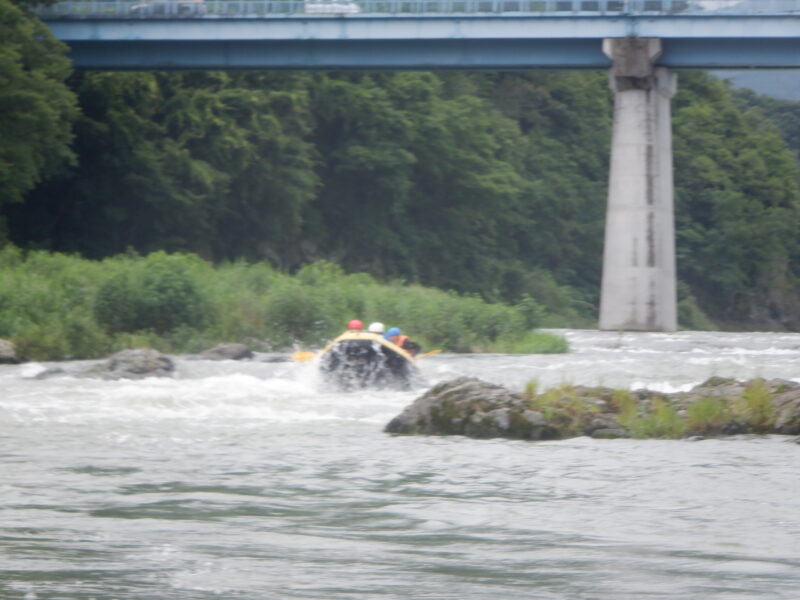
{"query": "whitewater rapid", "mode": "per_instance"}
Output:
(248, 481)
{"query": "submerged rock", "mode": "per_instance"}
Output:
(8, 354)
(49, 372)
(275, 357)
(610, 433)
(134, 364)
(228, 351)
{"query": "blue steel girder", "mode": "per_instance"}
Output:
(342, 55)
(426, 41)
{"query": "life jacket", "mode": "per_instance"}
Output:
(412, 348)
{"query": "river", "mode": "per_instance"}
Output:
(241, 480)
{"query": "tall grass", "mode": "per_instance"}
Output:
(656, 418)
(562, 407)
(755, 407)
(661, 421)
(662, 417)
(707, 414)
(54, 306)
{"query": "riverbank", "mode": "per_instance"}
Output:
(717, 407)
(58, 307)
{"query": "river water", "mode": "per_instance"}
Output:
(242, 480)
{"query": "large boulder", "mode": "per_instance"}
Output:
(717, 407)
(475, 408)
(8, 354)
(717, 387)
(134, 364)
(786, 397)
(228, 351)
(782, 417)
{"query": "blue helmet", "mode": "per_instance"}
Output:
(393, 331)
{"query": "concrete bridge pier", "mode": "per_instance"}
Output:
(638, 288)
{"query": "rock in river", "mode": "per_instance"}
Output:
(134, 364)
(8, 353)
(716, 407)
(475, 408)
(228, 351)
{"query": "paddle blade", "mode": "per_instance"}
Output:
(303, 356)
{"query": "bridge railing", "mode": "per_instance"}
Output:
(160, 9)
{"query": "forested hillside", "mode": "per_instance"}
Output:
(484, 183)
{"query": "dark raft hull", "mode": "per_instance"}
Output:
(356, 361)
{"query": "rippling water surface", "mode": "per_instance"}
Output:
(242, 480)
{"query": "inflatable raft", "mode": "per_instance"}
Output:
(360, 360)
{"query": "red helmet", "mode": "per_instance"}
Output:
(355, 324)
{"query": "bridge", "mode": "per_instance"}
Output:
(642, 42)
(422, 34)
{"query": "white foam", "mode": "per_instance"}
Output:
(31, 369)
(250, 394)
(243, 398)
(666, 387)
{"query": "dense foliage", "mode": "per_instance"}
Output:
(737, 209)
(55, 306)
(785, 114)
(489, 184)
(36, 107)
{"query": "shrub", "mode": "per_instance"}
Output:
(157, 293)
(10, 256)
(531, 389)
(755, 407)
(532, 312)
(707, 415)
(39, 342)
(322, 272)
(661, 421)
(627, 409)
(57, 306)
(295, 314)
(658, 420)
(535, 342)
(565, 409)
(690, 315)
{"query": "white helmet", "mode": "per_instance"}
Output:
(375, 327)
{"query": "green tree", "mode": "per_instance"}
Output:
(418, 181)
(252, 128)
(785, 114)
(36, 107)
(490, 184)
(359, 216)
(183, 161)
(738, 208)
(468, 217)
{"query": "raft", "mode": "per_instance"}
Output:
(360, 360)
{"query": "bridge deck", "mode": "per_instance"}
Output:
(422, 34)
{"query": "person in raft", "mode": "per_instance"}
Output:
(376, 328)
(396, 336)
